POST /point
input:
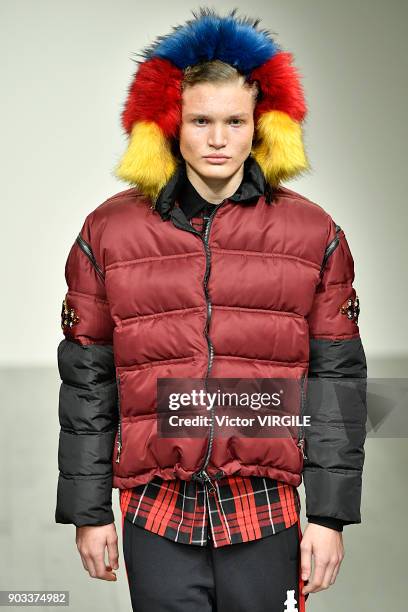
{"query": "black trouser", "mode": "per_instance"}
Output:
(255, 576)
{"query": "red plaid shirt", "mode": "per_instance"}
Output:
(241, 509)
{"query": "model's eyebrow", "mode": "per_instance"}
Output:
(232, 116)
(242, 115)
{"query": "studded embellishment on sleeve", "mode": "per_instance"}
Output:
(68, 316)
(351, 308)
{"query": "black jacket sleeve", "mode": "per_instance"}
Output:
(88, 393)
(327, 521)
(336, 391)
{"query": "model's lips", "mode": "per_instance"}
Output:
(216, 159)
(216, 156)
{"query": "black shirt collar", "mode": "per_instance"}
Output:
(191, 201)
(180, 189)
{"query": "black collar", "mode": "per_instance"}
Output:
(190, 200)
(252, 186)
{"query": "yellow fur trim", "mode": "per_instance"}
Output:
(148, 161)
(278, 147)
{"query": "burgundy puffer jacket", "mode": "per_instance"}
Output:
(267, 292)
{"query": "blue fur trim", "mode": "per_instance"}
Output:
(236, 41)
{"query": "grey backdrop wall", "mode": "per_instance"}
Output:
(65, 71)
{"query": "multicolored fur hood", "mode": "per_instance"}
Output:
(151, 116)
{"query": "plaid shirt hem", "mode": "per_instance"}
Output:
(242, 509)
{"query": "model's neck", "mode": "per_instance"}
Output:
(215, 190)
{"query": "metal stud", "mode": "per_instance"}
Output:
(68, 316)
(351, 308)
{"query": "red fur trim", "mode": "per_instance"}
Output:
(155, 95)
(281, 87)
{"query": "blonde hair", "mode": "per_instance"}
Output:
(217, 71)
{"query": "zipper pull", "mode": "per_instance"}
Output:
(302, 444)
(119, 442)
(208, 481)
(119, 449)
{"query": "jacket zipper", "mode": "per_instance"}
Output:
(119, 443)
(202, 474)
(86, 248)
(301, 438)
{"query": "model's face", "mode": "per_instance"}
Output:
(217, 119)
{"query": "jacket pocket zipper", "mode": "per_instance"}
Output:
(330, 248)
(119, 444)
(301, 438)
